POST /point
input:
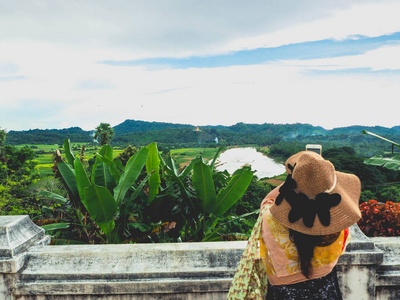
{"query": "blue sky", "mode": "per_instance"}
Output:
(326, 63)
(354, 45)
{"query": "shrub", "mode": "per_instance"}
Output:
(380, 219)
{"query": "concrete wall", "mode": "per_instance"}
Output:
(32, 270)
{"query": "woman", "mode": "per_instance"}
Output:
(305, 228)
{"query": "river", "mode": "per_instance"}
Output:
(235, 158)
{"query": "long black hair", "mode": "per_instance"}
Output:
(305, 245)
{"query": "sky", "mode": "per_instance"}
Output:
(79, 63)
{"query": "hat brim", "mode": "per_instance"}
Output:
(345, 214)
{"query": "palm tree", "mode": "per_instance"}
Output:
(105, 133)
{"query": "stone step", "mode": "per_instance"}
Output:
(123, 287)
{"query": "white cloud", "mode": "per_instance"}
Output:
(366, 19)
(52, 50)
(385, 58)
(182, 28)
(274, 93)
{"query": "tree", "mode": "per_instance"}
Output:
(128, 152)
(2, 140)
(2, 137)
(105, 133)
(16, 174)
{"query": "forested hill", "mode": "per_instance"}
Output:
(48, 136)
(130, 126)
(141, 133)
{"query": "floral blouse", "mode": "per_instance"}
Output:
(280, 256)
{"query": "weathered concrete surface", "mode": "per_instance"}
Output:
(129, 269)
(17, 235)
(178, 296)
(166, 271)
(388, 272)
(356, 267)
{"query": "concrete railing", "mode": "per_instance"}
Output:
(32, 270)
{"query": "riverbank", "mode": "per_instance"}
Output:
(269, 169)
(235, 158)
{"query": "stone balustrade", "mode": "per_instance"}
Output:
(30, 269)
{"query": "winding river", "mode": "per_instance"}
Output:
(235, 158)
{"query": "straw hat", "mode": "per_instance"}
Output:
(315, 198)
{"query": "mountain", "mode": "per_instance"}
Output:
(283, 130)
(130, 126)
(142, 132)
(48, 136)
(357, 129)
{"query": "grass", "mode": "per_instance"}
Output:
(44, 154)
(185, 155)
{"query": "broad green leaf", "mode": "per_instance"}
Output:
(220, 149)
(119, 165)
(212, 237)
(101, 174)
(171, 170)
(204, 186)
(107, 228)
(375, 161)
(68, 152)
(172, 166)
(53, 196)
(139, 188)
(132, 170)
(68, 174)
(141, 226)
(101, 206)
(153, 168)
(114, 171)
(82, 180)
(235, 189)
(67, 242)
(188, 169)
(392, 163)
(55, 226)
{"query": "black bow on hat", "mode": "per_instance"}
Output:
(303, 207)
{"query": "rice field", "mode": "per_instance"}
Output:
(185, 155)
(44, 155)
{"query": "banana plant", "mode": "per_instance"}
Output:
(148, 191)
(392, 163)
(107, 192)
(204, 194)
(215, 203)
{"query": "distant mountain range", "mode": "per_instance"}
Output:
(141, 132)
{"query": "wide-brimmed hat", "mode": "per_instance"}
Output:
(315, 198)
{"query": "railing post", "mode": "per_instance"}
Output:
(17, 235)
(357, 267)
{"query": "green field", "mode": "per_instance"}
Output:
(185, 155)
(44, 155)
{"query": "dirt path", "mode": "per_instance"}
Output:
(274, 181)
